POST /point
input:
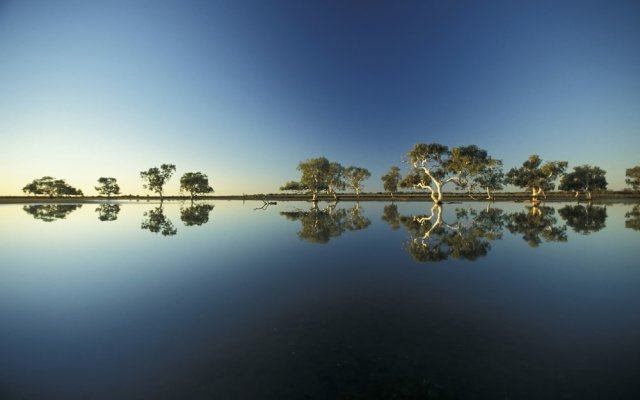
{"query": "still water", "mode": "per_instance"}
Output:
(371, 301)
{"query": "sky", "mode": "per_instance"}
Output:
(244, 90)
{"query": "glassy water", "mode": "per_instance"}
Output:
(369, 301)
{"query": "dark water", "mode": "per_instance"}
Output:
(380, 301)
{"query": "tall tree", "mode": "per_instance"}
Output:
(355, 176)
(584, 179)
(314, 177)
(51, 187)
(155, 178)
(490, 178)
(432, 166)
(390, 180)
(633, 177)
(108, 186)
(535, 176)
(195, 183)
(334, 179)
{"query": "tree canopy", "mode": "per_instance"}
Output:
(51, 187)
(155, 178)
(633, 177)
(355, 176)
(195, 183)
(390, 180)
(535, 176)
(584, 179)
(108, 186)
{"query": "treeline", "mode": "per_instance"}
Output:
(469, 168)
(430, 167)
(154, 179)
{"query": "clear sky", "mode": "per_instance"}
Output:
(244, 90)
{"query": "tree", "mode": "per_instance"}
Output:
(334, 179)
(195, 183)
(536, 177)
(355, 176)
(390, 180)
(490, 177)
(108, 186)
(314, 177)
(432, 166)
(156, 178)
(51, 187)
(585, 179)
(633, 177)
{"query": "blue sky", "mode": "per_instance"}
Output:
(243, 91)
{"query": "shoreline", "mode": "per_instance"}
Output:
(518, 197)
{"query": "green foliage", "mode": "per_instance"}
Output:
(108, 212)
(321, 225)
(537, 225)
(391, 180)
(355, 176)
(108, 186)
(51, 187)
(633, 177)
(50, 212)
(432, 166)
(195, 183)
(318, 174)
(535, 176)
(196, 215)
(490, 177)
(155, 178)
(584, 178)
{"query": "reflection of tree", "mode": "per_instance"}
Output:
(320, 225)
(50, 212)
(196, 214)
(156, 222)
(537, 225)
(584, 219)
(390, 216)
(633, 221)
(108, 212)
(468, 238)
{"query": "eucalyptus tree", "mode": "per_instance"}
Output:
(314, 177)
(195, 183)
(355, 176)
(584, 179)
(584, 219)
(50, 212)
(490, 177)
(51, 187)
(432, 166)
(108, 186)
(155, 178)
(390, 180)
(535, 176)
(335, 179)
(108, 212)
(633, 177)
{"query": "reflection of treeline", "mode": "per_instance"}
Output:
(320, 225)
(50, 212)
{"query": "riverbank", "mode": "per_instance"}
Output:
(270, 197)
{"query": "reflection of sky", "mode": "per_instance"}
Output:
(244, 92)
(96, 302)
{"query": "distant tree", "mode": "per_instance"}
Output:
(50, 212)
(155, 178)
(355, 176)
(314, 177)
(633, 177)
(585, 179)
(195, 183)
(490, 177)
(108, 212)
(51, 187)
(155, 221)
(108, 186)
(432, 166)
(536, 177)
(196, 215)
(334, 179)
(390, 180)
